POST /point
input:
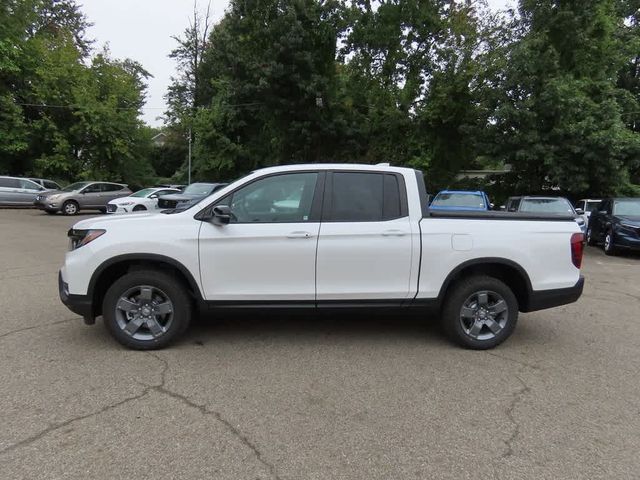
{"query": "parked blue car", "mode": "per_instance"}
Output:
(456, 200)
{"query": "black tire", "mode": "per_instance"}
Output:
(609, 243)
(102, 210)
(139, 208)
(463, 292)
(70, 207)
(590, 240)
(175, 292)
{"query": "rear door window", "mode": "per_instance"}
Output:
(110, 187)
(9, 183)
(94, 188)
(29, 185)
(363, 197)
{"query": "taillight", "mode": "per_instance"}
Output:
(577, 249)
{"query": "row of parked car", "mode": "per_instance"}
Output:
(613, 223)
(106, 197)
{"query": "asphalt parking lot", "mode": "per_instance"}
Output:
(308, 397)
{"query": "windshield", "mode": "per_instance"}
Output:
(546, 205)
(629, 207)
(471, 200)
(593, 205)
(75, 186)
(144, 192)
(199, 189)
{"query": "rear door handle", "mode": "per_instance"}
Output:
(299, 235)
(393, 233)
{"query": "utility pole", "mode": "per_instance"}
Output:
(189, 174)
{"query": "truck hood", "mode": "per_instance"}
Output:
(106, 221)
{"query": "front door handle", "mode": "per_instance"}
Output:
(393, 233)
(299, 235)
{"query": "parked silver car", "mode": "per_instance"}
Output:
(48, 184)
(81, 196)
(16, 191)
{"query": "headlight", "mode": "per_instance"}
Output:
(53, 197)
(79, 238)
(125, 204)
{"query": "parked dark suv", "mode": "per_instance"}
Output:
(615, 224)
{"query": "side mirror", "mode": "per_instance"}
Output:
(221, 215)
(502, 208)
(153, 196)
(579, 211)
(492, 206)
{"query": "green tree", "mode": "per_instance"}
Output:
(65, 114)
(559, 122)
(270, 72)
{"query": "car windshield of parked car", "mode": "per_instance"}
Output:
(75, 186)
(630, 208)
(546, 205)
(593, 205)
(458, 200)
(143, 193)
(199, 189)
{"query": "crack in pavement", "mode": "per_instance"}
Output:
(518, 362)
(23, 329)
(57, 426)
(161, 388)
(517, 398)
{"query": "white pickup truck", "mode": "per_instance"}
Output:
(320, 236)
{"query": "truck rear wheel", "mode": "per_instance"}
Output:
(146, 309)
(480, 312)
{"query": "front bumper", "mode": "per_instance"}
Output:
(627, 239)
(78, 304)
(543, 299)
(46, 205)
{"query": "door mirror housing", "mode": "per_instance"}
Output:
(153, 196)
(221, 215)
(579, 211)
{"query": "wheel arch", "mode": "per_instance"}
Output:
(508, 271)
(115, 267)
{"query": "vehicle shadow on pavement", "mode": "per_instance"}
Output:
(314, 326)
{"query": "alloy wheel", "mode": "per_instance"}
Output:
(484, 314)
(70, 208)
(144, 312)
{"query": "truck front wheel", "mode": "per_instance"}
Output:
(480, 312)
(146, 309)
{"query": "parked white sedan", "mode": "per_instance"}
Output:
(145, 199)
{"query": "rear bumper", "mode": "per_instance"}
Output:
(78, 304)
(542, 299)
